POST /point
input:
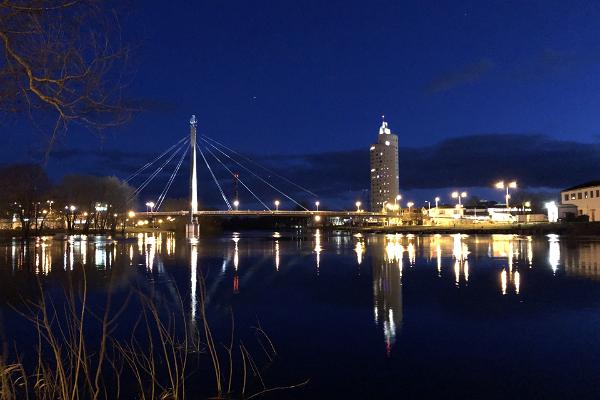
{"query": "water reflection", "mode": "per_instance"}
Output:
(318, 248)
(460, 253)
(553, 252)
(502, 264)
(387, 287)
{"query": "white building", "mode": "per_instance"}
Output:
(586, 197)
(384, 169)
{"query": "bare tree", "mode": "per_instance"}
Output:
(63, 62)
(23, 188)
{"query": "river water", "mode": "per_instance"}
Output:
(362, 316)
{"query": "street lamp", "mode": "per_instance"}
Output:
(317, 204)
(276, 205)
(357, 204)
(131, 214)
(396, 200)
(457, 195)
(236, 204)
(437, 200)
(509, 185)
(428, 204)
(150, 205)
(409, 205)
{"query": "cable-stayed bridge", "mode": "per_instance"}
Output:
(213, 153)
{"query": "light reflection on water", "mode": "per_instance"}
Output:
(454, 258)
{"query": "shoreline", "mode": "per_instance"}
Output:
(537, 229)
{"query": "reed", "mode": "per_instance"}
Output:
(83, 354)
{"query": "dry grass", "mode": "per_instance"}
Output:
(80, 354)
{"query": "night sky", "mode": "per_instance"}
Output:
(475, 90)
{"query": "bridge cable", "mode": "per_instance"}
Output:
(232, 174)
(157, 171)
(214, 177)
(155, 160)
(256, 175)
(162, 196)
(261, 166)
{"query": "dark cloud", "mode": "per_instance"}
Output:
(453, 79)
(469, 161)
(536, 160)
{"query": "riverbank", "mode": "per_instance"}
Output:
(567, 229)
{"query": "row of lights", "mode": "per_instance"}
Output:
(461, 195)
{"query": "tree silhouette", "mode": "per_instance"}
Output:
(63, 62)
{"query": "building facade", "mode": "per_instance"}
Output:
(384, 169)
(586, 197)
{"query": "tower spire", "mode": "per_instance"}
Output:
(383, 129)
(193, 172)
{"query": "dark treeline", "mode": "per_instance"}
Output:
(30, 200)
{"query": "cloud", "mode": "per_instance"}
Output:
(537, 161)
(469, 73)
(470, 161)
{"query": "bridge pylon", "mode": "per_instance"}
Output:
(193, 226)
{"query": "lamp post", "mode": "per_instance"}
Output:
(457, 195)
(236, 204)
(317, 205)
(150, 205)
(276, 205)
(409, 205)
(509, 185)
(357, 204)
(428, 204)
(437, 200)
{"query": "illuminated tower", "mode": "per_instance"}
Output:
(193, 175)
(193, 230)
(384, 169)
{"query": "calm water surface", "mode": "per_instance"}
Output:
(373, 316)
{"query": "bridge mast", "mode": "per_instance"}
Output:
(193, 224)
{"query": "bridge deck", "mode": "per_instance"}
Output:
(247, 213)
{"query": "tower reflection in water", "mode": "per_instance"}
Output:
(387, 258)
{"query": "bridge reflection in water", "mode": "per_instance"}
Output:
(454, 259)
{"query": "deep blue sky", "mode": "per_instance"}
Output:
(312, 77)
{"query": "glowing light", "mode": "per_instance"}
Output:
(517, 282)
(553, 252)
(552, 211)
(317, 218)
(318, 248)
(503, 281)
(131, 214)
(193, 280)
(236, 255)
(277, 255)
(359, 249)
